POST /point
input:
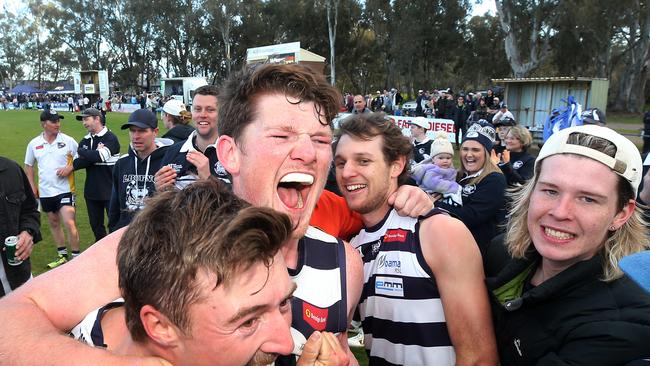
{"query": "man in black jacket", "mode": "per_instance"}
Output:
(460, 116)
(133, 175)
(97, 153)
(19, 216)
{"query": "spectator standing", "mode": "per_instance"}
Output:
(387, 107)
(177, 120)
(502, 114)
(421, 143)
(377, 102)
(360, 105)
(133, 176)
(20, 217)
(349, 102)
(460, 116)
(70, 103)
(196, 158)
(481, 111)
(396, 98)
(54, 152)
(470, 102)
(502, 126)
(515, 161)
(489, 97)
(483, 192)
(450, 105)
(419, 101)
(97, 153)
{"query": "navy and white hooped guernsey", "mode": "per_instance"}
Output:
(400, 307)
(320, 300)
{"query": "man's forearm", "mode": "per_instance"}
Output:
(18, 346)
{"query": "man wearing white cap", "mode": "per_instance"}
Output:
(177, 120)
(421, 143)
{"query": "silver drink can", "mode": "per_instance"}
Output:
(10, 244)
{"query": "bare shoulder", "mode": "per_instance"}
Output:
(353, 261)
(354, 275)
(445, 239)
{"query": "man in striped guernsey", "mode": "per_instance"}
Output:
(275, 137)
(423, 301)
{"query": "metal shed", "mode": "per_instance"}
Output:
(531, 100)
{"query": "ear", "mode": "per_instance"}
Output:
(159, 328)
(623, 215)
(155, 132)
(397, 167)
(229, 154)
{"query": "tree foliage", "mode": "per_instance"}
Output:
(370, 45)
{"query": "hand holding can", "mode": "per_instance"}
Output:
(10, 245)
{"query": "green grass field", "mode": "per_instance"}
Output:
(19, 127)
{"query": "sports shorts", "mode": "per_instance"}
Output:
(54, 204)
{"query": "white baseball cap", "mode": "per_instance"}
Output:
(174, 107)
(626, 162)
(421, 121)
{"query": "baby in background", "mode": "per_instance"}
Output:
(437, 174)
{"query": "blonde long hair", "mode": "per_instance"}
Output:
(630, 238)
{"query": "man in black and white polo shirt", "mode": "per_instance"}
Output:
(54, 152)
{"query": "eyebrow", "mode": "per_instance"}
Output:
(583, 192)
(242, 313)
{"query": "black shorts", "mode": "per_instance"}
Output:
(54, 204)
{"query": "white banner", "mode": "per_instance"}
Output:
(403, 122)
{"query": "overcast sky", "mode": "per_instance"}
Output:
(480, 9)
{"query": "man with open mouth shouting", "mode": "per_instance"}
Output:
(275, 140)
(275, 134)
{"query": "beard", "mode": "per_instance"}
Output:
(262, 359)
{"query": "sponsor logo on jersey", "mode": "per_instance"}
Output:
(517, 164)
(375, 247)
(390, 286)
(39, 147)
(177, 167)
(314, 316)
(60, 145)
(384, 261)
(469, 189)
(395, 235)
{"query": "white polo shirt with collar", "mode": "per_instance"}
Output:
(50, 157)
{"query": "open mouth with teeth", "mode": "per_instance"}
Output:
(557, 235)
(355, 187)
(294, 188)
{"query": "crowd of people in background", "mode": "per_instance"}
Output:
(425, 234)
(79, 102)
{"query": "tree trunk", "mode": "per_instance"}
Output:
(630, 96)
(331, 28)
(521, 68)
